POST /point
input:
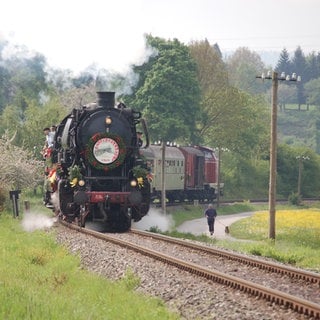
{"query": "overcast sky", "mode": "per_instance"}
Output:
(74, 34)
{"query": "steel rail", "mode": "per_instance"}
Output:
(299, 305)
(305, 275)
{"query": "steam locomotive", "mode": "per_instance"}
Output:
(97, 173)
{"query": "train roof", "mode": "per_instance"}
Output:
(155, 151)
(209, 152)
(205, 148)
(192, 150)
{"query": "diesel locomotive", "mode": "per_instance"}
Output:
(97, 173)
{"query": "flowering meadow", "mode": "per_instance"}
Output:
(297, 236)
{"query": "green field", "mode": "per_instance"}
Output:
(297, 232)
(40, 280)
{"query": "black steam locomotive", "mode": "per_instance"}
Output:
(97, 173)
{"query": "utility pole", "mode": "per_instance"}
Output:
(273, 145)
(163, 168)
(218, 178)
(273, 158)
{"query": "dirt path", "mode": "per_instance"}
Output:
(200, 226)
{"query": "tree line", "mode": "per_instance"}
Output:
(188, 94)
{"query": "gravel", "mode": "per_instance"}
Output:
(190, 296)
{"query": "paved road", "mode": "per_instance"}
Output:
(200, 226)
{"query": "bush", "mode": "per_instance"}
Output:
(294, 199)
(2, 198)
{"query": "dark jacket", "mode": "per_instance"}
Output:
(210, 213)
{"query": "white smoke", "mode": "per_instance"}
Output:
(55, 200)
(154, 218)
(36, 221)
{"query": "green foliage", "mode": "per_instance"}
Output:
(234, 120)
(2, 198)
(297, 239)
(74, 173)
(211, 69)
(188, 94)
(313, 91)
(296, 243)
(18, 168)
(130, 280)
(27, 126)
(169, 94)
(139, 172)
(202, 238)
(284, 63)
(243, 67)
(22, 78)
(269, 251)
(10, 121)
(294, 199)
(39, 280)
(154, 229)
(38, 117)
(288, 171)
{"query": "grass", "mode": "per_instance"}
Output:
(297, 232)
(297, 236)
(187, 212)
(40, 280)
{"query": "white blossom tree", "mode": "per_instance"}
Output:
(19, 169)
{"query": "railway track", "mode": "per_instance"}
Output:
(300, 305)
(269, 266)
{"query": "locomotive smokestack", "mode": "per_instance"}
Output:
(106, 99)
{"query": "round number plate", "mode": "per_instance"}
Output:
(106, 150)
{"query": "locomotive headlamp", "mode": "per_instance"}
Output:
(81, 183)
(108, 120)
(133, 183)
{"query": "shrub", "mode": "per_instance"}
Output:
(2, 198)
(294, 199)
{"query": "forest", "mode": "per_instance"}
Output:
(188, 94)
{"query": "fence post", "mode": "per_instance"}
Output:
(14, 196)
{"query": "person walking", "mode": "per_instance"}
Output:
(210, 214)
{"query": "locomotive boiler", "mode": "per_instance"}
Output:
(99, 174)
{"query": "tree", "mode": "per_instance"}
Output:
(243, 67)
(299, 66)
(235, 120)
(28, 133)
(211, 70)
(4, 78)
(36, 119)
(284, 63)
(27, 79)
(18, 168)
(169, 95)
(10, 121)
(286, 94)
(312, 89)
(288, 167)
(313, 67)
